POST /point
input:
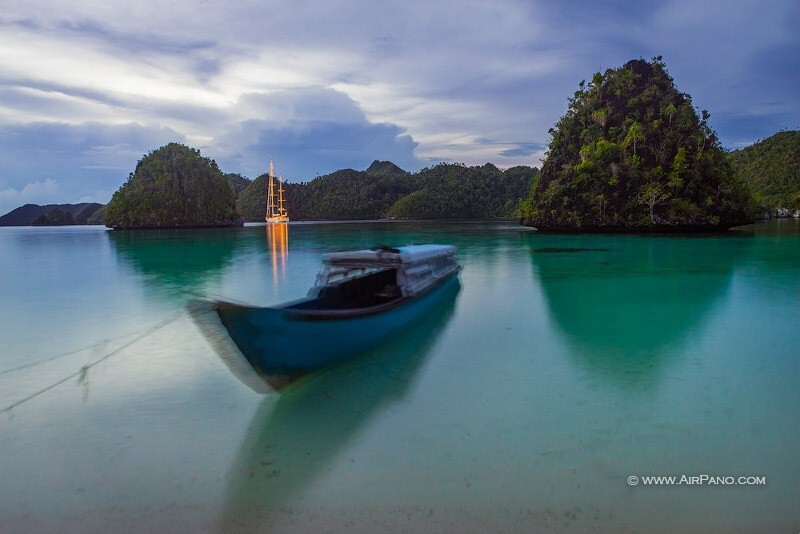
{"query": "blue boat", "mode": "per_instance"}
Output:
(361, 299)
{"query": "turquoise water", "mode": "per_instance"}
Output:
(565, 365)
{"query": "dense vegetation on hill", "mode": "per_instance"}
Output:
(451, 191)
(385, 168)
(385, 190)
(54, 218)
(99, 216)
(348, 194)
(772, 168)
(237, 182)
(173, 187)
(343, 194)
(87, 214)
(30, 214)
(631, 153)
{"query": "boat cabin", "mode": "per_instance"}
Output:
(367, 278)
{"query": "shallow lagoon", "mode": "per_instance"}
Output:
(565, 365)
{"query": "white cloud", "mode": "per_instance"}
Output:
(100, 196)
(46, 192)
(402, 65)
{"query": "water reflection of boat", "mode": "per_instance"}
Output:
(361, 299)
(294, 439)
(278, 244)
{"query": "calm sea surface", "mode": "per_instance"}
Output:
(565, 365)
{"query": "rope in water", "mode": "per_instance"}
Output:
(83, 370)
(100, 343)
(64, 355)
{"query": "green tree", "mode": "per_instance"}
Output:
(635, 133)
(679, 168)
(652, 195)
(670, 111)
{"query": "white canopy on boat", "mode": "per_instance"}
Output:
(389, 256)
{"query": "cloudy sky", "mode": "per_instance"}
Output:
(87, 88)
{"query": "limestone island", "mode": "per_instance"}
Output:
(174, 187)
(631, 154)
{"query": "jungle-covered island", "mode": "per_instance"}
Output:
(55, 215)
(771, 168)
(383, 190)
(632, 154)
(174, 187)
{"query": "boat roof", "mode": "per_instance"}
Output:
(384, 255)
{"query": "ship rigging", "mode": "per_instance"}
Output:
(276, 212)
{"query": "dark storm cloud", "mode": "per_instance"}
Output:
(84, 161)
(524, 149)
(309, 131)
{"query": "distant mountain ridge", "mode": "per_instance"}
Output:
(26, 215)
(445, 191)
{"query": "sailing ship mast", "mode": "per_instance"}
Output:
(281, 209)
(275, 210)
(270, 192)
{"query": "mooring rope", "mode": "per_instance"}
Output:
(99, 343)
(83, 370)
(64, 355)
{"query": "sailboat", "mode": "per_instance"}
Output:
(276, 212)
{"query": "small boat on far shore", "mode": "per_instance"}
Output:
(361, 298)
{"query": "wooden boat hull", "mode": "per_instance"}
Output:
(282, 343)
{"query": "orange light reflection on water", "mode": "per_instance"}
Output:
(278, 244)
